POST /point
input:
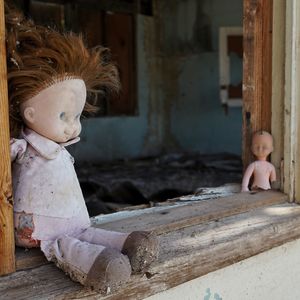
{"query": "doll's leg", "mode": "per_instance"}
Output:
(141, 247)
(92, 265)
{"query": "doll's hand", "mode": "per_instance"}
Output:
(244, 190)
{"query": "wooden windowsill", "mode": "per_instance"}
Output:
(195, 239)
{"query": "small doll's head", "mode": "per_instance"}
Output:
(50, 76)
(262, 144)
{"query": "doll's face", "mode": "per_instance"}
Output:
(262, 145)
(55, 112)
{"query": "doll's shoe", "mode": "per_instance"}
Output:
(110, 270)
(141, 247)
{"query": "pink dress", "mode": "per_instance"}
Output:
(49, 208)
(48, 201)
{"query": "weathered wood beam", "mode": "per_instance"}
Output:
(168, 219)
(257, 74)
(7, 247)
(185, 254)
(165, 219)
(29, 258)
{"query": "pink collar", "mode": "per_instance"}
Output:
(45, 147)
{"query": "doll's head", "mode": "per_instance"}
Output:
(55, 111)
(262, 144)
(46, 66)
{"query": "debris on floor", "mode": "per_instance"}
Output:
(113, 186)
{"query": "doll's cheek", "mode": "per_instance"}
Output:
(77, 130)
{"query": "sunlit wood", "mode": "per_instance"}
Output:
(7, 247)
(257, 77)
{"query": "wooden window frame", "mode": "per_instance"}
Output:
(259, 98)
(257, 71)
(7, 247)
(291, 101)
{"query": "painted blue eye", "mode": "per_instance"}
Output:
(62, 115)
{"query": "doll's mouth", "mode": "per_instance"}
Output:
(70, 137)
(66, 139)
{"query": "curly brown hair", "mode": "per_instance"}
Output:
(38, 57)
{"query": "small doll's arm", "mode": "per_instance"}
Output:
(246, 178)
(273, 174)
(274, 184)
(17, 149)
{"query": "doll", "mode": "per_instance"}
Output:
(50, 76)
(263, 172)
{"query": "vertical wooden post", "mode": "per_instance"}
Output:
(7, 247)
(257, 77)
(278, 88)
(291, 114)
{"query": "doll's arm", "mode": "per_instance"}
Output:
(274, 184)
(17, 149)
(273, 174)
(246, 178)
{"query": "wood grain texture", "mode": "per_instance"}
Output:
(288, 164)
(119, 38)
(278, 87)
(176, 217)
(29, 258)
(7, 247)
(165, 219)
(295, 107)
(185, 254)
(291, 174)
(257, 77)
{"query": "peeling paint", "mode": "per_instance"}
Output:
(153, 138)
(163, 76)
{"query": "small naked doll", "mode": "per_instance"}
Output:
(262, 171)
(49, 77)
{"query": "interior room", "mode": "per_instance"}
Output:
(176, 125)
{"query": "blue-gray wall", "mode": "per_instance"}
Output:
(198, 120)
(178, 88)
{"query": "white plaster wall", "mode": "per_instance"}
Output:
(272, 275)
